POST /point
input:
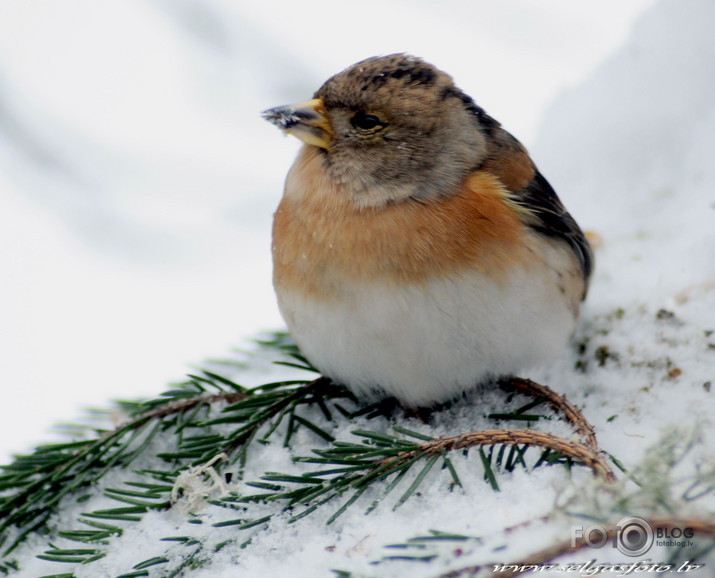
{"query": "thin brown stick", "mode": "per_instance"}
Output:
(576, 450)
(177, 406)
(204, 399)
(557, 402)
(191, 402)
(704, 528)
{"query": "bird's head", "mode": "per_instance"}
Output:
(391, 128)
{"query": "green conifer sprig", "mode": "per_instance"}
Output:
(258, 414)
(207, 426)
(677, 505)
(353, 467)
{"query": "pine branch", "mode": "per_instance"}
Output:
(255, 417)
(43, 478)
(261, 409)
(202, 438)
(355, 467)
(33, 485)
(358, 465)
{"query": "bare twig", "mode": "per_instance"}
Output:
(189, 403)
(557, 402)
(578, 451)
(176, 406)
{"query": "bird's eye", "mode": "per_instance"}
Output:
(364, 121)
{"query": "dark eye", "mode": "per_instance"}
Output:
(365, 121)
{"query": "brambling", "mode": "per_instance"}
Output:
(417, 249)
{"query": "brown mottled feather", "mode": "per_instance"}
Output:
(509, 161)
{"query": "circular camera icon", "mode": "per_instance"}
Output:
(634, 536)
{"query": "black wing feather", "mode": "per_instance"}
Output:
(552, 218)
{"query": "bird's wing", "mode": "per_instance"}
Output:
(540, 206)
(552, 218)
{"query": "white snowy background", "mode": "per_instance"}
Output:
(138, 183)
(137, 179)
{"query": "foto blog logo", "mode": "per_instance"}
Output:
(632, 536)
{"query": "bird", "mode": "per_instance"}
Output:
(418, 252)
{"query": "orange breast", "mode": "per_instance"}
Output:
(322, 239)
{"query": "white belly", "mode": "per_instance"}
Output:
(426, 343)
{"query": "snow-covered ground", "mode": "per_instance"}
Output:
(144, 242)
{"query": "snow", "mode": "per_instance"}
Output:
(143, 243)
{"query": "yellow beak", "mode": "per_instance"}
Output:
(306, 120)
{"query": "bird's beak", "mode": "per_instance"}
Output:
(306, 120)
